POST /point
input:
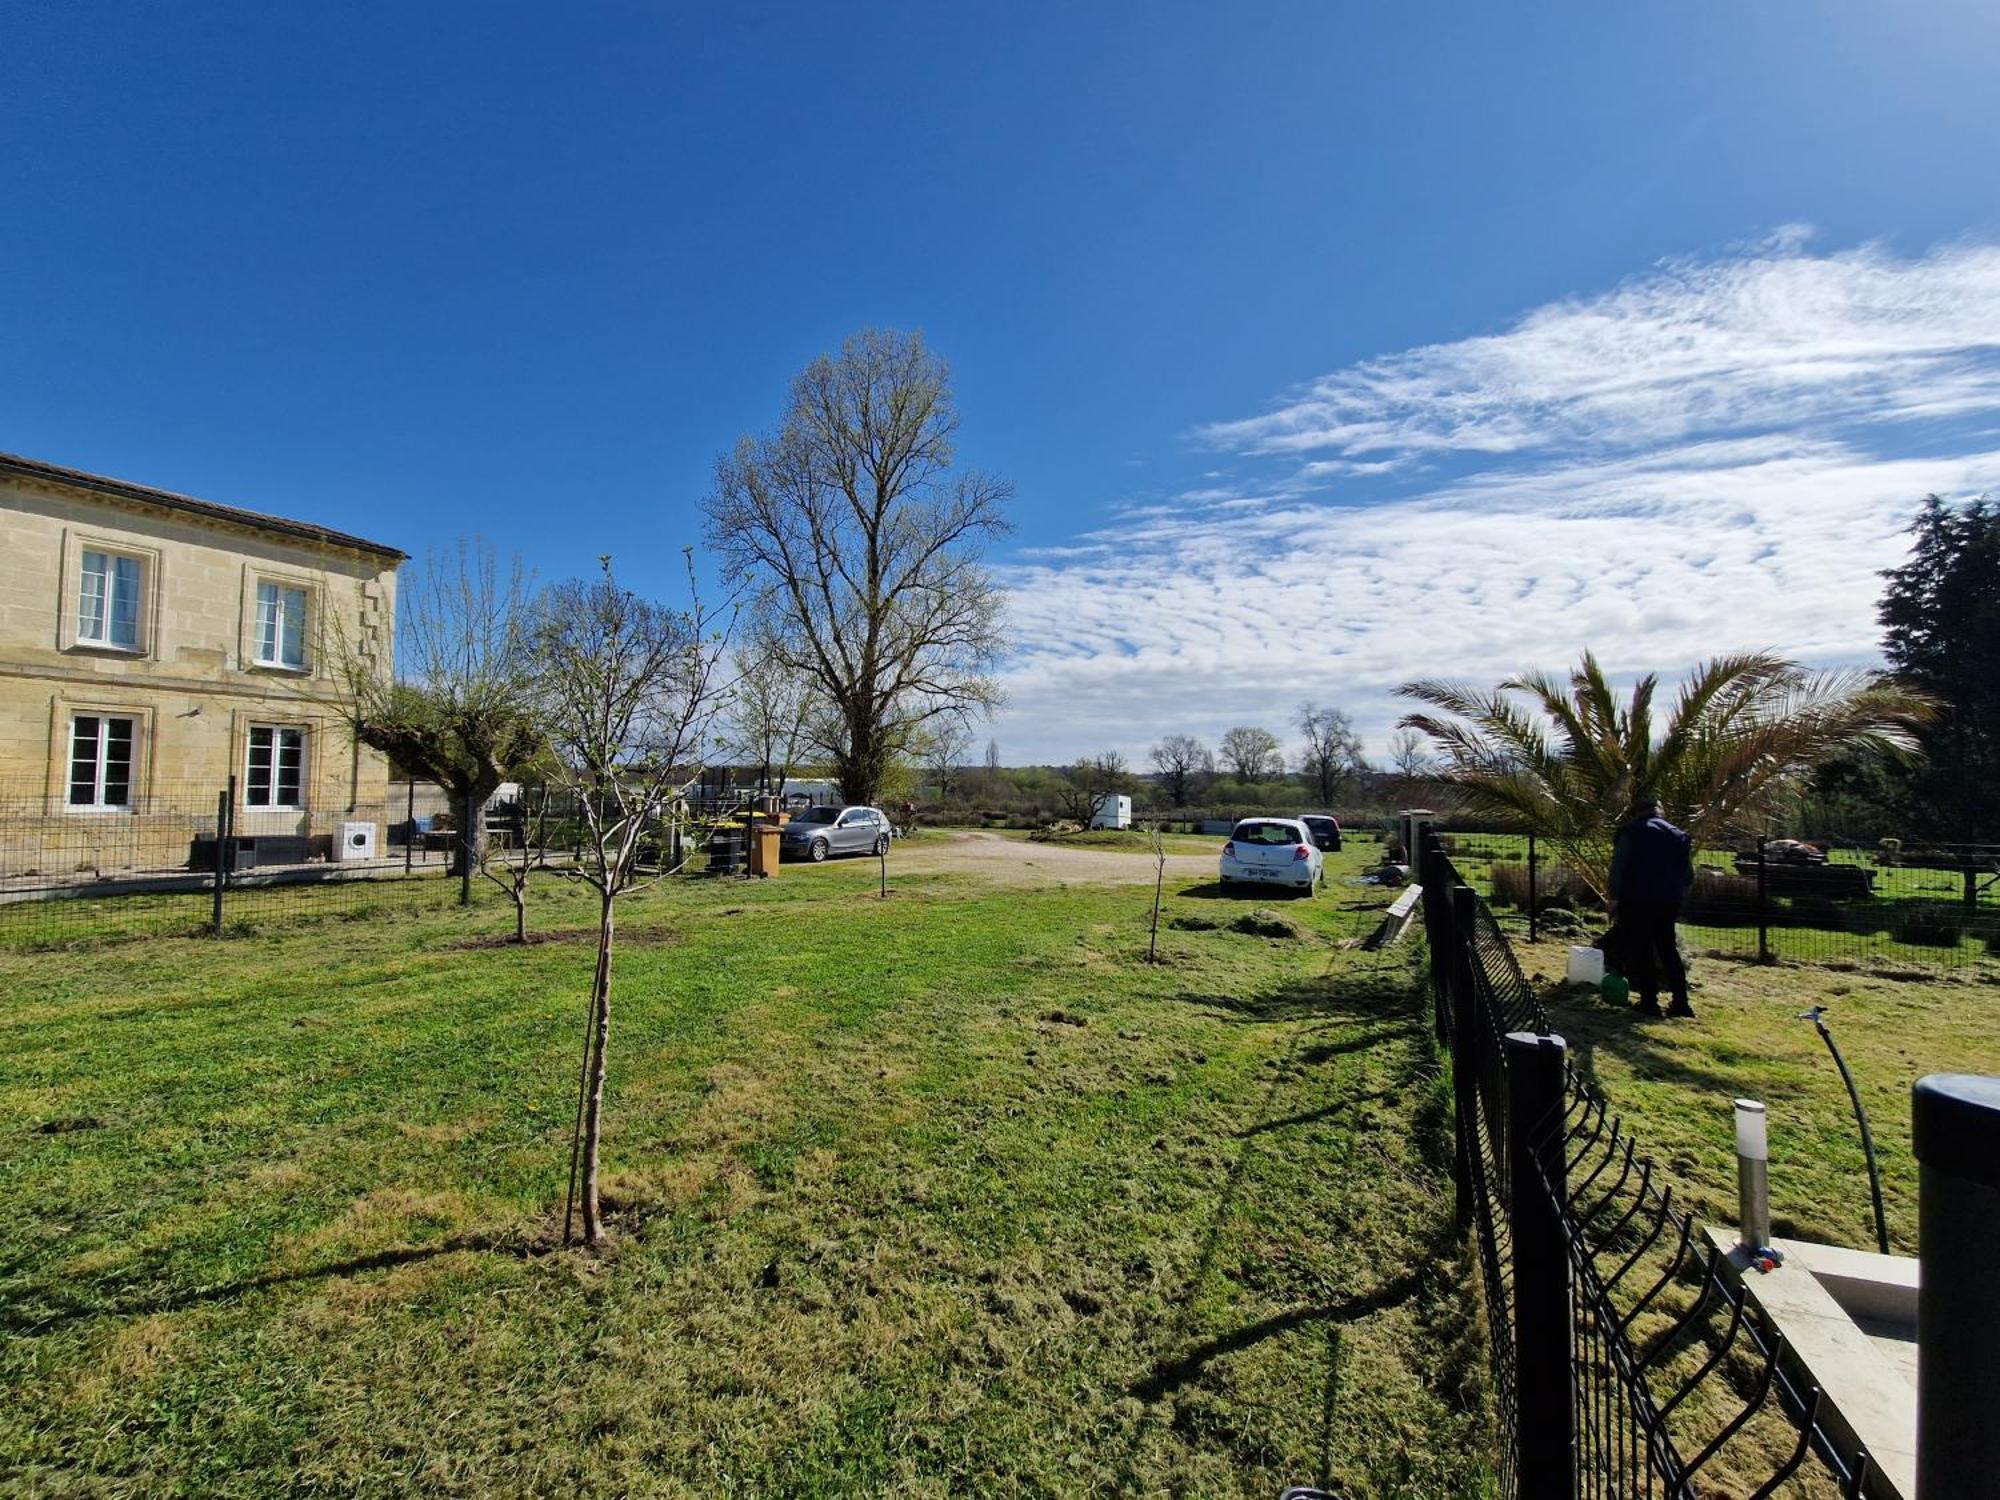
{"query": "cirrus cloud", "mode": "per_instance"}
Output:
(1715, 455)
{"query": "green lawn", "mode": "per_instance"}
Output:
(1674, 1081)
(946, 1194)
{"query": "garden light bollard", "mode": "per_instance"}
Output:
(1956, 1136)
(1753, 1176)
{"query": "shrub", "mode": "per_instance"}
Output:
(1554, 883)
(1718, 896)
(1928, 926)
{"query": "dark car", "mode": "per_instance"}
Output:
(1325, 831)
(819, 832)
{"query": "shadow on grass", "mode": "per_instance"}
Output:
(1173, 1375)
(25, 1314)
(1215, 890)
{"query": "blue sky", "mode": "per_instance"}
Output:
(1326, 345)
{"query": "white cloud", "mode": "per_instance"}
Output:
(1713, 456)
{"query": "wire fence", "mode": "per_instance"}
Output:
(188, 858)
(1627, 1357)
(1920, 906)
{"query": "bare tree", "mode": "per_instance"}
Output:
(510, 866)
(460, 711)
(1332, 756)
(993, 778)
(862, 550)
(1089, 781)
(1181, 761)
(1252, 754)
(1159, 835)
(770, 714)
(944, 747)
(1410, 760)
(631, 691)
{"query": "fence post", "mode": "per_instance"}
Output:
(1763, 905)
(1464, 1052)
(223, 801)
(410, 825)
(1956, 1120)
(1534, 916)
(1544, 1415)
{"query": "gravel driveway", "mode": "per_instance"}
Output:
(1007, 861)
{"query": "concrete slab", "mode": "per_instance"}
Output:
(1871, 1398)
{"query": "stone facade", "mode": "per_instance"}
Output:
(184, 683)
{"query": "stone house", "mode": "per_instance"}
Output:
(153, 645)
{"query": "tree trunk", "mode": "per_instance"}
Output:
(593, 1108)
(520, 915)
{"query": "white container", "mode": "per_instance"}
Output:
(1111, 812)
(357, 841)
(1586, 966)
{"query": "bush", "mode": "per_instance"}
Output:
(1554, 884)
(1718, 896)
(1928, 926)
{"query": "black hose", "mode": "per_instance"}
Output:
(1817, 1015)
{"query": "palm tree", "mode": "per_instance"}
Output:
(1569, 761)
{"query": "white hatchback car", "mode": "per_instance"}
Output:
(1272, 851)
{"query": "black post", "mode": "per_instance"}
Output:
(222, 801)
(465, 843)
(1534, 915)
(1544, 1416)
(1763, 904)
(1956, 1127)
(410, 827)
(1464, 1055)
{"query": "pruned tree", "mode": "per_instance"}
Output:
(630, 691)
(460, 709)
(1182, 762)
(510, 866)
(861, 548)
(1158, 833)
(1568, 760)
(1252, 754)
(1331, 758)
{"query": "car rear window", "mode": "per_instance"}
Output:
(1265, 833)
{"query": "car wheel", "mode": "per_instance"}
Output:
(818, 852)
(881, 846)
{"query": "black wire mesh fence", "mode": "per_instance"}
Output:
(1626, 1356)
(1901, 903)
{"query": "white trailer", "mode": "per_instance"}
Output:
(1111, 812)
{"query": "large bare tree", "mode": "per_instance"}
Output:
(630, 691)
(460, 709)
(1252, 754)
(861, 546)
(1181, 761)
(1331, 759)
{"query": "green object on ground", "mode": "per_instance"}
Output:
(1614, 987)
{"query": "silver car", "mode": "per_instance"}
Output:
(820, 832)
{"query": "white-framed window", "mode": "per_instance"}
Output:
(107, 604)
(101, 753)
(281, 625)
(273, 774)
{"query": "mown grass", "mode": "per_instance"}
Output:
(948, 1193)
(1674, 1081)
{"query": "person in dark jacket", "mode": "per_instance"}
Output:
(1652, 866)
